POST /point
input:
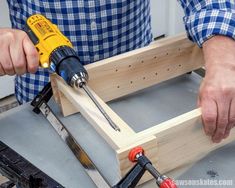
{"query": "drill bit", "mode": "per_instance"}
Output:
(112, 124)
(79, 80)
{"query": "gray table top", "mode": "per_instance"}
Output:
(34, 138)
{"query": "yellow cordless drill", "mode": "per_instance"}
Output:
(56, 52)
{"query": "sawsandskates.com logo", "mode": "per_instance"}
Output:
(204, 182)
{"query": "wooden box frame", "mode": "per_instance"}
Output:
(170, 144)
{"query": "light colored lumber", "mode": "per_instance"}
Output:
(129, 72)
(86, 106)
(176, 143)
(66, 106)
(132, 71)
(182, 141)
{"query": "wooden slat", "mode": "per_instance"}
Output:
(85, 105)
(162, 60)
(182, 140)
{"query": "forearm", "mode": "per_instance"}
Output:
(219, 53)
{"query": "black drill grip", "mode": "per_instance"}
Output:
(67, 63)
(31, 34)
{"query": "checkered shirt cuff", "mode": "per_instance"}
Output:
(205, 24)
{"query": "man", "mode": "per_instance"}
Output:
(100, 29)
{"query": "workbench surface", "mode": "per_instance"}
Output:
(34, 138)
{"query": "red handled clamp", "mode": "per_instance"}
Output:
(132, 178)
(137, 155)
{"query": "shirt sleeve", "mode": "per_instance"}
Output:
(206, 18)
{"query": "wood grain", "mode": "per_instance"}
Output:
(182, 137)
(132, 71)
(86, 106)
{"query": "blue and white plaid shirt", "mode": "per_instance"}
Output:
(104, 28)
(206, 18)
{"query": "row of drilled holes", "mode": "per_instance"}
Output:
(142, 61)
(155, 57)
(131, 82)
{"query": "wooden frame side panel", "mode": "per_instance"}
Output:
(126, 73)
(182, 141)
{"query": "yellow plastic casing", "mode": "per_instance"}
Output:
(48, 37)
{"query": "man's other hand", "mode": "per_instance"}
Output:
(217, 91)
(17, 53)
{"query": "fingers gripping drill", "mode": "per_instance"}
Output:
(56, 52)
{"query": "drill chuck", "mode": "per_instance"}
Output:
(68, 66)
(79, 80)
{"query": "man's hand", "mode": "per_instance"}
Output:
(217, 91)
(17, 53)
